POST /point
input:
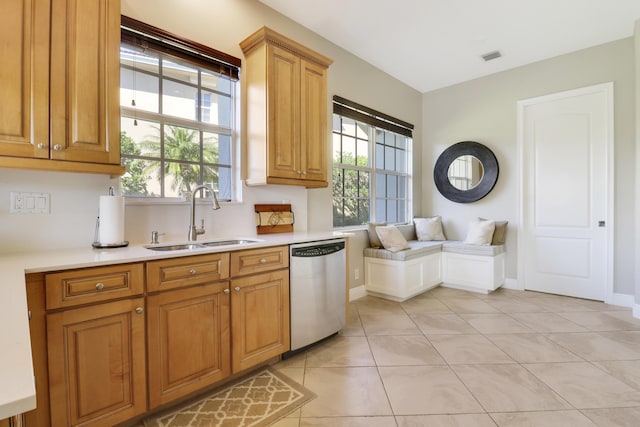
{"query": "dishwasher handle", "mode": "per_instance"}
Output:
(317, 250)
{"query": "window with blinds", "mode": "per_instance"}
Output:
(372, 158)
(177, 103)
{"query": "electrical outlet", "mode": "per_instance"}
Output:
(356, 273)
(21, 202)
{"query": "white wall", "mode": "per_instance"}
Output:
(221, 24)
(484, 110)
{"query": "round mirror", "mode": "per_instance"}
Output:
(466, 172)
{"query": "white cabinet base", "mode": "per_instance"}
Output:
(475, 273)
(401, 280)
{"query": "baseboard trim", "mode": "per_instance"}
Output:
(512, 284)
(623, 300)
(357, 292)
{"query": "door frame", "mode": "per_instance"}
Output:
(607, 89)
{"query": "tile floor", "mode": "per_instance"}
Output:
(455, 358)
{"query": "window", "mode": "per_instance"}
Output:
(371, 166)
(177, 103)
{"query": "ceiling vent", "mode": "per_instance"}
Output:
(491, 55)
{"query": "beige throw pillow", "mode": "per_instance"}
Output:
(391, 238)
(480, 232)
(429, 228)
(374, 241)
(500, 233)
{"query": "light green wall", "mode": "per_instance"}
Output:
(484, 110)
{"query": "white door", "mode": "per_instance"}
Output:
(566, 154)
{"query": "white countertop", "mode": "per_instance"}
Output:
(17, 389)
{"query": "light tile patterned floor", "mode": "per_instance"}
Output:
(455, 358)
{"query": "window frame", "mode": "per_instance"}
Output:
(167, 46)
(376, 121)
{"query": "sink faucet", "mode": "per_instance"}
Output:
(194, 231)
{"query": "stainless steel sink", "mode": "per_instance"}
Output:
(229, 242)
(200, 245)
(175, 247)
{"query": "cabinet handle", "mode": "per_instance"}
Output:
(193, 271)
(226, 291)
(41, 146)
(57, 147)
(237, 289)
(99, 286)
(139, 310)
(299, 172)
(304, 172)
(263, 261)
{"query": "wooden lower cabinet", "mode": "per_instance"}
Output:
(182, 326)
(97, 364)
(259, 318)
(189, 340)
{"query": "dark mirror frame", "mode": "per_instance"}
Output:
(479, 151)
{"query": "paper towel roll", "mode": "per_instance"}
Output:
(111, 230)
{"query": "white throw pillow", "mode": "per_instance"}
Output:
(391, 238)
(374, 241)
(480, 232)
(429, 228)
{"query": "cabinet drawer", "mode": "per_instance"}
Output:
(258, 260)
(186, 271)
(95, 284)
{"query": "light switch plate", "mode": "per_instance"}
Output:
(35, 203)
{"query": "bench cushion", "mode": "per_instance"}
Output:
(468, 249)
(416, 249)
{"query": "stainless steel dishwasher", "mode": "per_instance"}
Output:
(317, 290)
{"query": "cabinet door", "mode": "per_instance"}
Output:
(85, 81)
(189, 340)
(260, 318)
(97, 364)
(283, 91)
(24, 78)
(313, 121)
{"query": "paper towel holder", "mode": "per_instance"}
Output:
(96, 244)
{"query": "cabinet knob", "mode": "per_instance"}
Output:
(57, 147)
(193, 271)
(304, 172)
(226, 291)
(41, 146)
(237, 289)
(263, 261)
(139, 310)
(299, 172)
(99, 286)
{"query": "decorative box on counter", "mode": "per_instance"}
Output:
(276, 218)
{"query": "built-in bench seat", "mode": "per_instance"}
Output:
(427, 264)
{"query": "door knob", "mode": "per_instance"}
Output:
(601, 223)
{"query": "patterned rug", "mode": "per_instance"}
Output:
(259, 400)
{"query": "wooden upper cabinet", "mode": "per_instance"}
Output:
(60, 85)
(24, 78)
(286, 111)
(85, 75)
